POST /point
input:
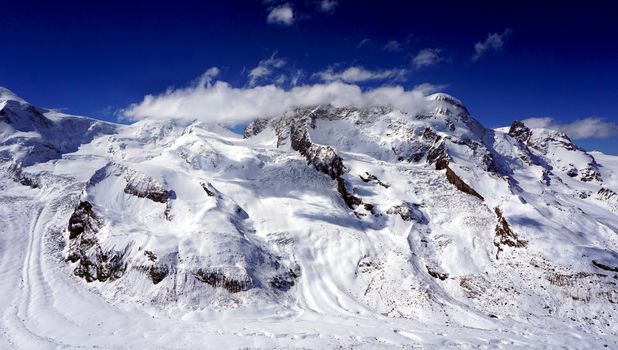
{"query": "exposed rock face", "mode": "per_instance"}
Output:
(83, 220)
(408, 212)
(286, 280)
(504, 234)
(606, 194)
(233, 280)
(93, 262)
(604, 267)
(520, 131)
(437, 155)
(26, 179)
(435, 274)
(147, 188)
(208, 191)
(255, 127)
(590, 173)
(157, 273)
(460, 184)
(372, 178)
(322, 158)
(350, 200)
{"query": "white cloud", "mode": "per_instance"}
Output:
(427, 57)
(328, 6)
(587, 128)
(392, 46)
(427, 88)
(265, 68)
(219, 102)
(360, 74)
(207, 77)
(282, 14)
(363, 43)
(494, 42)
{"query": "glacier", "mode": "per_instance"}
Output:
(321, 227)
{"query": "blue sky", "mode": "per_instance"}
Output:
(504, 61)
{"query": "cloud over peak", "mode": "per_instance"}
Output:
(356, 74)
(494, 42)
(282, 14)
(586, 128)
(220, 102)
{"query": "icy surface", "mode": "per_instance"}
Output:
(321, 228)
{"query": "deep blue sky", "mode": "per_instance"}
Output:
(560, 60)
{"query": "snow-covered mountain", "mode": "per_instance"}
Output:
(321, 227)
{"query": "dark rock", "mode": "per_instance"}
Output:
(149, 190)
(101, 266)
(350, 200)
(408, 212)
(436, 274)
(284, 281)
(504, 234)
(605, 194)
(520, 131)
(590, 173)
(604, 267)
(25, 179)
(207, 190)
(83, 219)
(323, 158)
(157, 273)
(92, 262)
(460, 184)
(437, 155)
(572, 172)
(370, 177)
(255, 127)
(218, 278)
(150, 255)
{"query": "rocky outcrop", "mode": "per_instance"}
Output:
(350, 199)
(504, 234)
(208, 191)
(233, 280)
(147, 188)
(520, 131)
(255, 127)
(460, 184)
(18, 175)
(435, 274)
(323, 158)
(590, 173)
(157, 273)
(605, 194)
(286, 280)
(408, 212)
(604, 266)
(372, 178)
(93, 263)
(437, 155)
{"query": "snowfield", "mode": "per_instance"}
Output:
(320, 228)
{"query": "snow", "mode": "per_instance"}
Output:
(361, 278)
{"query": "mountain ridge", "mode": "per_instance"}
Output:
(346, 214)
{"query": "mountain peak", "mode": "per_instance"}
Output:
(8, 95)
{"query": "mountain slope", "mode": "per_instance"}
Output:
(320, 227)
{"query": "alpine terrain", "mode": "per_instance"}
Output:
(318, 228)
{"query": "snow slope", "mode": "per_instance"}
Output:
(322, 227)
